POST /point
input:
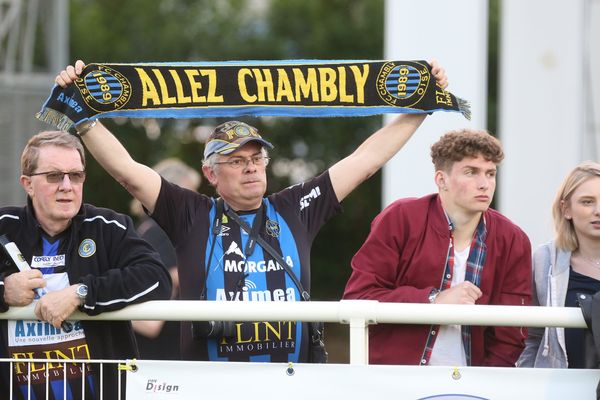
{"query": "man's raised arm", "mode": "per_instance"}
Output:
(140, 180)
(382, 145)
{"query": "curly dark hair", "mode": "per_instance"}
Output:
(456, 145)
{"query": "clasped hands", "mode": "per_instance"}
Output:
(53, 307)
(463, 293)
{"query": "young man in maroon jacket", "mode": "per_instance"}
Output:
(447, 248)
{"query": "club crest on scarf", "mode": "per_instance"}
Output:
(402, 84)
(104, 89)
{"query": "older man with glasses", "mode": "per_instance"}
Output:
(245, 246)
(84, 258)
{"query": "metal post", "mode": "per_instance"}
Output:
(359, 341)
(58, 49)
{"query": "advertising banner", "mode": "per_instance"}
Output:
(209, 380)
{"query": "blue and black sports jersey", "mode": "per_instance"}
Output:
(292, 219)
(39, 339)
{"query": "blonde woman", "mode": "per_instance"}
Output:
(568, 265)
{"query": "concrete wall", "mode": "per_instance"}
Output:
(542, 107)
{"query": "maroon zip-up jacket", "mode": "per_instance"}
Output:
(404, 258)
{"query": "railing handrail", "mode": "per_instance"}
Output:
(358, 314)
(334, 311)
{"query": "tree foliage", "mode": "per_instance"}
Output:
(200, 30)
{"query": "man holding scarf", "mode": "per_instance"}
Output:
(217, 259)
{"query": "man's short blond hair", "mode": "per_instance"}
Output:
(31, 153)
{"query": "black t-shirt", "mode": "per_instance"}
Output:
(575, 337)
(292, 219)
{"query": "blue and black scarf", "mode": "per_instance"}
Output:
(300, 88)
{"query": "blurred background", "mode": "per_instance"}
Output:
(38, 38)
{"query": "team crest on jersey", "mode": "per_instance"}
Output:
(272, 228)
(87, 248)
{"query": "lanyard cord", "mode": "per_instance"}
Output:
(267, 247)
(252, 232)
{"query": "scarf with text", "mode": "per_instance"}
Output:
(297, 88)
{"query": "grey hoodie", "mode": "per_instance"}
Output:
(545, 347)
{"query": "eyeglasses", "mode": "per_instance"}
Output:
(236, 162)
(58, 176)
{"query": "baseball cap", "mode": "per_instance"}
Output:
(229, 136)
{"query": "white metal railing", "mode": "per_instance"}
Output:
(49, 364)
(358, 314)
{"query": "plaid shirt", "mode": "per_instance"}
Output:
(473, 273)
